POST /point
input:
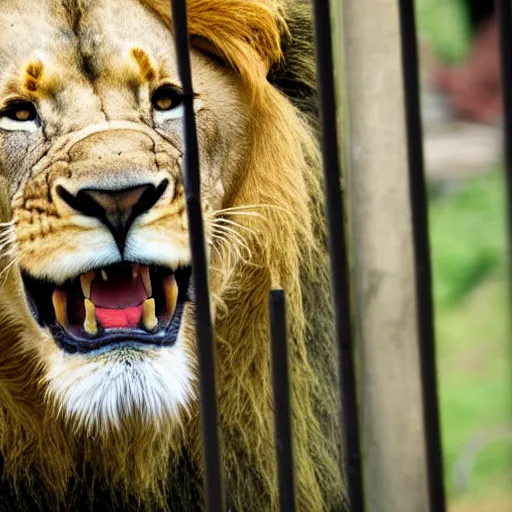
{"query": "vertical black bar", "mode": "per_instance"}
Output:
(419, 212)
(282, 416)
(209, 420)
(337, 250)
(505, 22)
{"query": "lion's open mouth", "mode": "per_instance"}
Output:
(116, 304)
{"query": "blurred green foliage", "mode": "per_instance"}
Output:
(467, 229)
(445, 24)
(468, 235)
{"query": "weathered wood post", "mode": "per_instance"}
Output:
(382, 257)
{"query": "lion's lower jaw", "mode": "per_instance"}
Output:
(126, 386)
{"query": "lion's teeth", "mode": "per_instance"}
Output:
(146, 281)
(171, 294)
(90, 324)
(103, 275)
(85, 281)
(135, 271)
(59, 300)
(148, 315)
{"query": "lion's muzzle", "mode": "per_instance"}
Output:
(116, 209)
(112, 195)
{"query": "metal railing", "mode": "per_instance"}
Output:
(215, 496)
(419, 211)
(338, 250)
(351, 429)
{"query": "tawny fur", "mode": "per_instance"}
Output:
(270, 233)
(147, 72)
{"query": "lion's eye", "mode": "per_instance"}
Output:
(19, 116)
(168, 103)
(166, 98)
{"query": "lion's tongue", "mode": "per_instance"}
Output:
(118, 300)
(128, 317)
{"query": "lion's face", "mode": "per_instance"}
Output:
(97, 243)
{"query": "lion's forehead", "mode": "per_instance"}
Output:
(77, 47)
(31, 31)
(124, 24)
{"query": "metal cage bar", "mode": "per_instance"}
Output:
(421, 246)
(337, 251)
(282, 412)
(215, 500)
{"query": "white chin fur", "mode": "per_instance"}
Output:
(98, 391)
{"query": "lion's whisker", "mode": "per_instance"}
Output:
(7, 241)
(248, 207)
(239, 242)
(9, 253)
(8, 235)
(229, 232)
(5, 272)
(233, 223)
(247, 214)
(216, 249)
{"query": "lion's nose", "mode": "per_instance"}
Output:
(117, 209)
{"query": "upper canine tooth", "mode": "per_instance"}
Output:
(146, 280)
(90, 324)
(171, 294)
(85, 281)
(148, 314)
(103, 275)
(59, 300)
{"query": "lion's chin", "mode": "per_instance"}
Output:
(125, 385)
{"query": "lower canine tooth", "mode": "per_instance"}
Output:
(171, 294)
(59, 300)
(90, 324)
(148, 314)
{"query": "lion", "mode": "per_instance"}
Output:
(99, 400)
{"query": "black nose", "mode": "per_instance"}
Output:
(117, 209)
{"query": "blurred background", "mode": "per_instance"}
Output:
(462, 115)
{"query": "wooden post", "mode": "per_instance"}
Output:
(380, 225)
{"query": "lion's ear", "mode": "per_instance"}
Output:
(245, 34)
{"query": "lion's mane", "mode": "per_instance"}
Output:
(285, 239)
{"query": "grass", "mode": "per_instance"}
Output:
(474, 351)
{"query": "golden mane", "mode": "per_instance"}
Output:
(288, 251)
(246, 35)
(269, 45)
